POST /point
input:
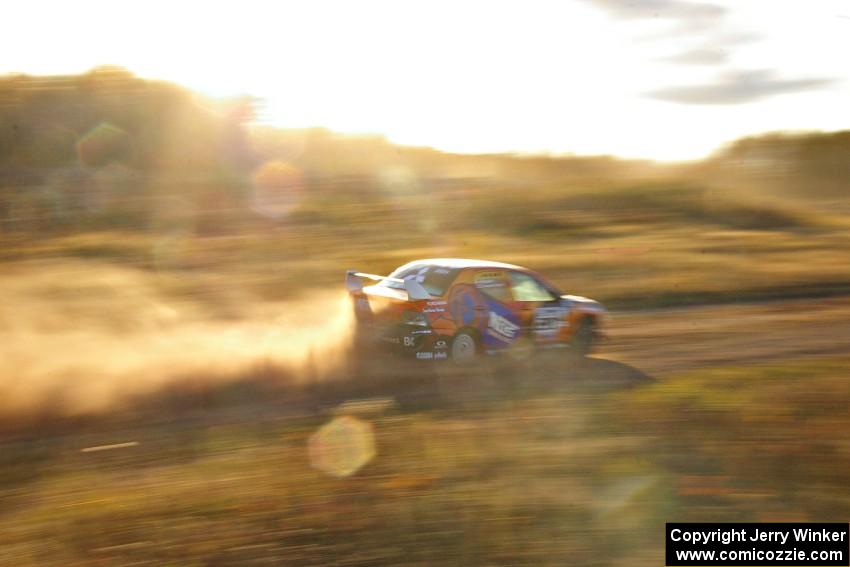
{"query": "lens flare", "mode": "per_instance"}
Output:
(277, 188)
(103, 144)
(343, 446)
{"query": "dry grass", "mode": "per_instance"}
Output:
(581, 476)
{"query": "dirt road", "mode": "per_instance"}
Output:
(661, 342)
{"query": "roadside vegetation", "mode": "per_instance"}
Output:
(167, 181)
(585, 475)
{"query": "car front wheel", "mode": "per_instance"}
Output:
(582, 341)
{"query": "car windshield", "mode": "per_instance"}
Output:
(435, 279)
(527, 288)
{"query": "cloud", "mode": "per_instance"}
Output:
(738, 87)
(704, 28)
(707, 22)
(737, 38)
(714, 37)
(699, 56)
(688, 15)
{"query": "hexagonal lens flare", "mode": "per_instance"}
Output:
(103, 144)
(342, 446)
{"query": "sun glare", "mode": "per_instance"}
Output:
(557, 77)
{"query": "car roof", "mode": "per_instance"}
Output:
(466, 263)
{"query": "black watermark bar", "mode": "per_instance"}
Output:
(690, 544)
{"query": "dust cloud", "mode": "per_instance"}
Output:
(81, 339)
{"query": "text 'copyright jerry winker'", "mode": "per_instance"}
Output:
(690, 544)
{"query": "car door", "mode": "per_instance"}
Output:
(540, 311)
(500, 324)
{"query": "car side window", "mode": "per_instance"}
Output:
(527, 288)
(493, 284)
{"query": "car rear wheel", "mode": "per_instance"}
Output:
(464, 348)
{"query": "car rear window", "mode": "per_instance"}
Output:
(435, 279)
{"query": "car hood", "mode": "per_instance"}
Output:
(584, 303)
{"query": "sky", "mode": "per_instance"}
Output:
(657, 79)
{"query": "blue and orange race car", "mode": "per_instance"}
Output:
(457, 310)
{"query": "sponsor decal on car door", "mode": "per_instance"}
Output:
(503, 324)
(485, 305)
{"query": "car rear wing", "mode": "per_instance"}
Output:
(415, 290)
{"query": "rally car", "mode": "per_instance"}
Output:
(457, 310)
